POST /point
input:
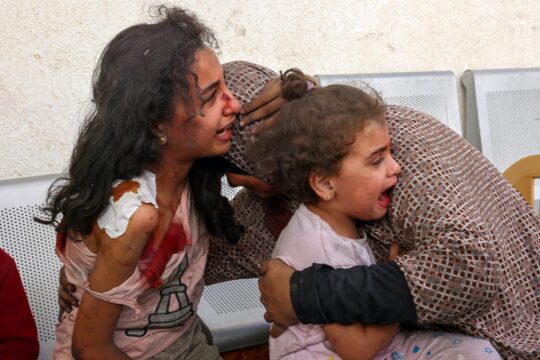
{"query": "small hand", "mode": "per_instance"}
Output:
(65, 298)
(274, 286)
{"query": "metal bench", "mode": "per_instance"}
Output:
(32, 246)
(434, 92)
(503, 115)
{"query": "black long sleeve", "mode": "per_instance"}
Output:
(376, 294)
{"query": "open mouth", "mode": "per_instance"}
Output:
(225, 133)
(384, 199)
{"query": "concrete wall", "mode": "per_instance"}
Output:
(49, 48)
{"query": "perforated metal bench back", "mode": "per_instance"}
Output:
(434, 93)
(503, 113)
(32, 246)
(233, 313)
(228, 191)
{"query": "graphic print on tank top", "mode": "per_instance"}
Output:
(163, 317)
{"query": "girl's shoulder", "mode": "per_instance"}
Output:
(127, 199)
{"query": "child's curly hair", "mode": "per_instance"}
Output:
(313, 132)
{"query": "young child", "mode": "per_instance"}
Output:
(330, 149)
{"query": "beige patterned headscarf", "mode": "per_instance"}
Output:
(263, 219)
(472, 244)
(246, 80)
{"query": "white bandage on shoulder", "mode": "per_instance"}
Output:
(126, 197)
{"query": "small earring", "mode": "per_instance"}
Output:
(328, 197)
(162, 139)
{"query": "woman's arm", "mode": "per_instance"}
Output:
(322, 295)
(359, 341)
(376, 294)
(116, 261)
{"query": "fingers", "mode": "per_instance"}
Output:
(277, 329)
(64, 307)
(260, 113)
(269, 93)
(66, 301)
(264, 124)
(394, 251)
(65, 294)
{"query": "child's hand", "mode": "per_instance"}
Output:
(394, 252)
(65, 298)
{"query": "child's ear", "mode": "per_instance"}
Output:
(321, 185)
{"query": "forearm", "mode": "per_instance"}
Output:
(437, 285)
(99, 351)
(93, 332)
(376, 294)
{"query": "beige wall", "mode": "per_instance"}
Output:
(48, 49)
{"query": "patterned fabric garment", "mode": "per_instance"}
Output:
(245, 80)
(472, 243)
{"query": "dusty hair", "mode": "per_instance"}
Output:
(141, 76)
(313, 132)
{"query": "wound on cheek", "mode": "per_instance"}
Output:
(125, 186)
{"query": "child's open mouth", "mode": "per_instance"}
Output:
(384, 199)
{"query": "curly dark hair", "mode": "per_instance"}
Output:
(141, 76)
(313, 132)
